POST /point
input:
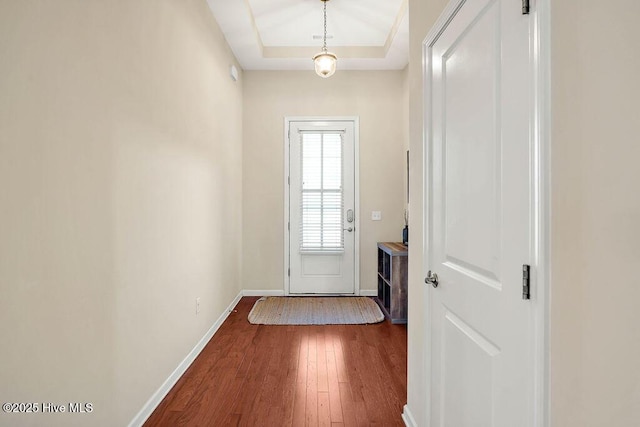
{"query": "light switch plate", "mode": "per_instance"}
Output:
(376, 215)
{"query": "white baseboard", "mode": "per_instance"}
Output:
(280, 293)
(160, 394)
(259, 293)
(408, 419)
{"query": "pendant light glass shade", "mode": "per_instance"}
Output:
(325, 61)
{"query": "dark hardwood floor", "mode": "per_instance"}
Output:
(250, 375)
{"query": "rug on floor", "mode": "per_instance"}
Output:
(315, 311)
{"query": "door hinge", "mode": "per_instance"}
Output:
(289, 180)
(525, 7)
(289, 226)
(289, 272)
(526, 282)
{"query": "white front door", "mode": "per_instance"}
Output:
(321, 207)
(479, 227)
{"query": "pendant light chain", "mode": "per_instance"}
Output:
(324, 44)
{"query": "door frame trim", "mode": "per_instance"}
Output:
(540, 137)
(356, 171)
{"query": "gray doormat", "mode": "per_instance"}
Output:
(315, 311)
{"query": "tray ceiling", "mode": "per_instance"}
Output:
(285, 34)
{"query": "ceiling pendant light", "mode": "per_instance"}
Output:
(325, 61)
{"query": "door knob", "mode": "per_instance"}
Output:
(431, 278)
(350, 229)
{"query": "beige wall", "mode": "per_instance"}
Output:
(120, 175)
(595, 344)
(595, 339)
(405, 124)
(376, 97)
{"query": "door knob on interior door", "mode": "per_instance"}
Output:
(431, 278)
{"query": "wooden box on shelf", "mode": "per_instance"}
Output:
(392, 280)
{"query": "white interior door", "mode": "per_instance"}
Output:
(322, 207)
(479, 228)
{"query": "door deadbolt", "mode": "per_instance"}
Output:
(350, 215)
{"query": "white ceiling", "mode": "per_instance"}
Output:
(279, 34)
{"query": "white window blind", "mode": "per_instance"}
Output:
(321, 201)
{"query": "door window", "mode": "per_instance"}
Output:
(321, 198)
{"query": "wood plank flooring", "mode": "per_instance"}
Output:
(257, 375)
